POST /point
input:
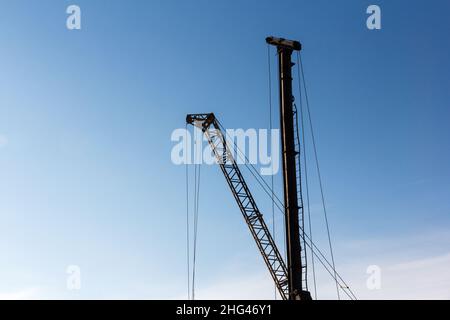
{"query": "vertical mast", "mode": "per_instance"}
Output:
(294, 261)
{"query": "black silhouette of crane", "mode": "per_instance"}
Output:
(290, 277)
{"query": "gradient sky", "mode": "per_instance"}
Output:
(85, 123)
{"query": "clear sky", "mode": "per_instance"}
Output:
(86, 117)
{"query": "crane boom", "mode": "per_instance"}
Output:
(253, 217)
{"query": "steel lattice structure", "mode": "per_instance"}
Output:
(255, 221)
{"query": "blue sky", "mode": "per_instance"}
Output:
(85, 123)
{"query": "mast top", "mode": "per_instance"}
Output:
(284, 43)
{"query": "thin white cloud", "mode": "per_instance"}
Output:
(411, 268)
(423, 263)
(426, 278)
(243, 287)
(23, 294)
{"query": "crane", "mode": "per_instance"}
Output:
(289, 276)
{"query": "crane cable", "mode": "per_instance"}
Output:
(195, 214)
(308, 207)
(280, 206)
(305, 174)
(299, 180)
(300, 69)
(196, 206)
(272, 173)
(187, 215)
